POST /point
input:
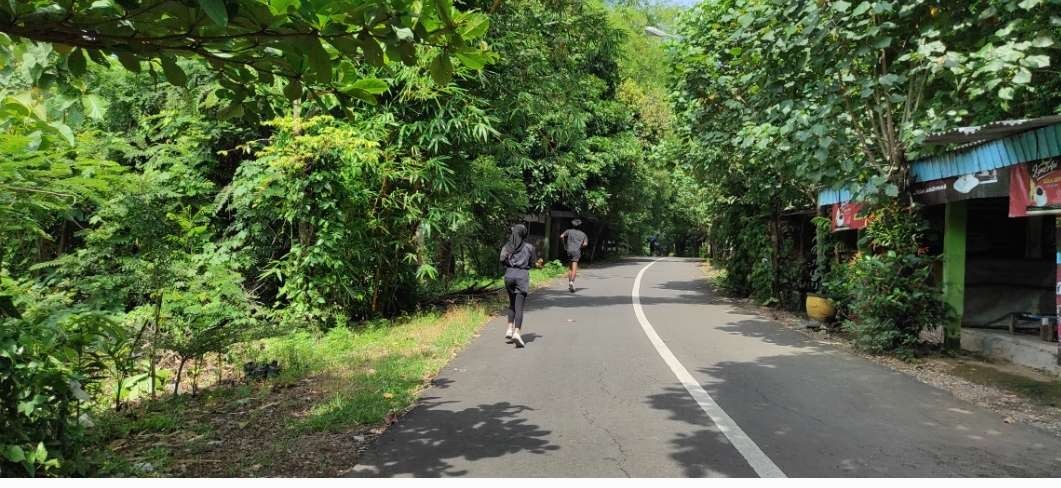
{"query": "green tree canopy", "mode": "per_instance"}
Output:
(312, 45)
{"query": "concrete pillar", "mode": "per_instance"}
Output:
(954, 234)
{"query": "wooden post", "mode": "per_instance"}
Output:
(954, 270)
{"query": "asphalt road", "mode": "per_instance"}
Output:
(591, 396)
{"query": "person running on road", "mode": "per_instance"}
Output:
(518, 256)
(574, 240)
(652, 245)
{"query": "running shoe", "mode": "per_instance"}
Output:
(518, 340)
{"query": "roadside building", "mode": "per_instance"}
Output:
(992, 202)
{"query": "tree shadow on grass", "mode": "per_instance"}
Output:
(430, 441)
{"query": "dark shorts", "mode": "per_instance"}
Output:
(574, 256)
(516, 282)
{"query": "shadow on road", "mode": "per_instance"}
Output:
(820, 414)
(563, 299)
(696, 291)
(776, 334)
(702, 450)
(427, 443)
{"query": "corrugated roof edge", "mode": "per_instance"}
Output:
(991, 131)
(984, 155)
(1041, 143)
(833, 196)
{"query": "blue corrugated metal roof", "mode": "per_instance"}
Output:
(1044, 142)
(1040, 143)
(833, 196)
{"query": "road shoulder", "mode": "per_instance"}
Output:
(1017, 394)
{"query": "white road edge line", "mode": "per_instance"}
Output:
(759, 461)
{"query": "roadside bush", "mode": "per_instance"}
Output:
(890, 298)
(553, 268)
(52, 356)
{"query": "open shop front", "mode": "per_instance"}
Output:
(992, 206)
(999, 268)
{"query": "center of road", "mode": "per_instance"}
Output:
(757, 459)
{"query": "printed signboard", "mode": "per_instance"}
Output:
(984, 184)
(1035, 188)
(845, 216)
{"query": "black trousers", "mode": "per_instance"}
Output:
(516, 284)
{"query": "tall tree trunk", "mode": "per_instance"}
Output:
(377, 280)
(547, 244)
(296, 115)
(196, 371)
(444, 258)
(153, 359)
(220, 368)
(598, 239)
(118, 394)
(123, 370)
(62, 239)
(177, 380)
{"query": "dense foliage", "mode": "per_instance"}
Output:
(250, 45)
(783, 99)
(182, 177)
(886, 294)
(670, 193)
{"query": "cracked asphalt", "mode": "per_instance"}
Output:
(590, 397)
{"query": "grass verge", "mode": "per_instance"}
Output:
(335, 392)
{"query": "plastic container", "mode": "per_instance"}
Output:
(820, 308)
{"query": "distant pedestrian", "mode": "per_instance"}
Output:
(653, 244)
(574, 240)
(518, 256)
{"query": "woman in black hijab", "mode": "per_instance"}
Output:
(517, 256)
